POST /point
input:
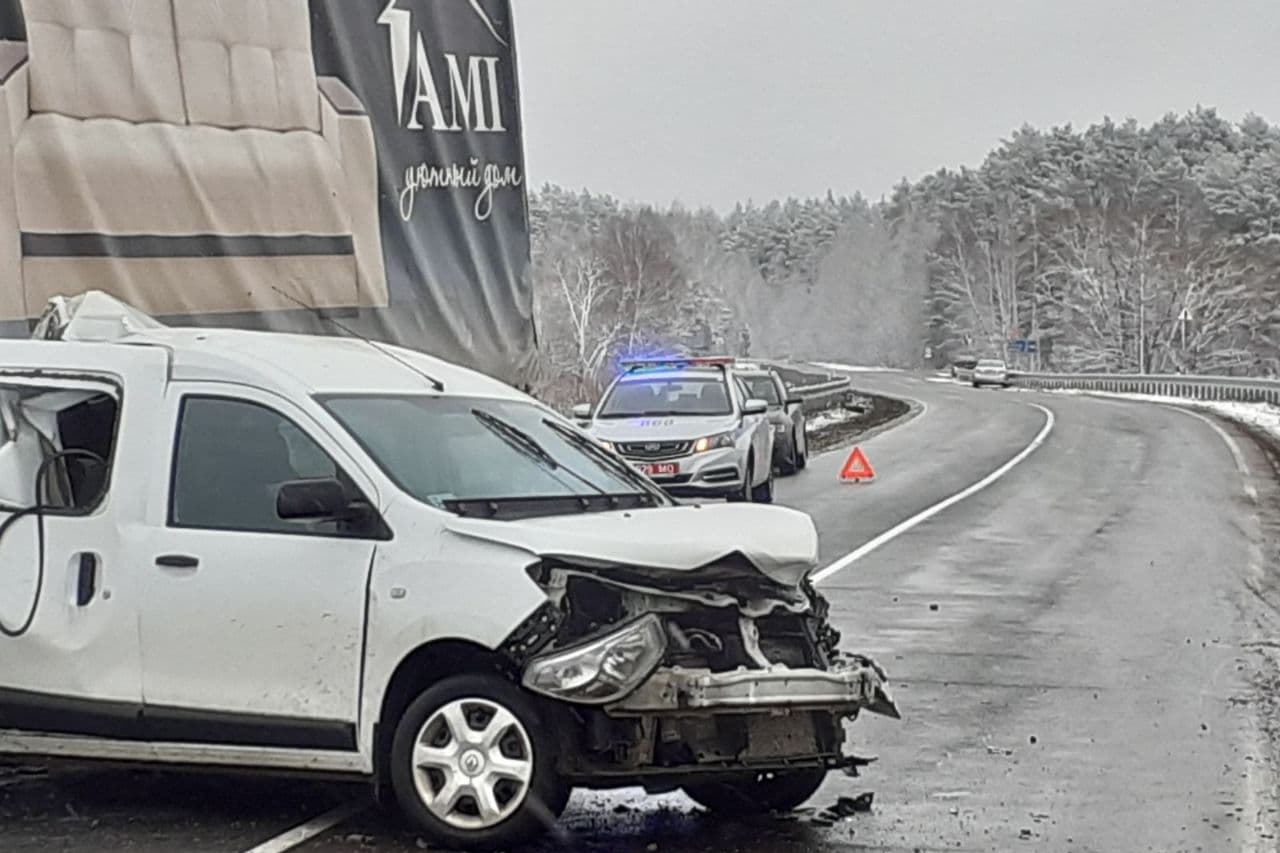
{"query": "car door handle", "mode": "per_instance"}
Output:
(86, 579)
(177, 561)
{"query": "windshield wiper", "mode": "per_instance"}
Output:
(598, 453)
(516, 437)
(529, 446)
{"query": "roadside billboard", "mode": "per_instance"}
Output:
(278, 164)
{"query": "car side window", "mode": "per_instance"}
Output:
(231, 458)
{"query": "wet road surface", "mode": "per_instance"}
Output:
(1079, 651)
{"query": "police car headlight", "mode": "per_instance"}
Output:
(713, 442)
(602, 670)
(607, 445)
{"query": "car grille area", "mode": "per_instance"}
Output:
(654, 449)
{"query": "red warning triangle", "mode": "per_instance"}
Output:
(856, 468)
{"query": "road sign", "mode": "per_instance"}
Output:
(1184, 316)
(857, 469)
(1027, 345)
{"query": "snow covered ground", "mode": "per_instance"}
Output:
(1262, 415)
(828, 417)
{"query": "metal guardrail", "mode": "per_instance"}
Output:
(1227, 388)
(818, 395)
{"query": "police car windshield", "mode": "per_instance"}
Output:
(641, 396)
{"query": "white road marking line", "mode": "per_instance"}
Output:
(920, 517)
(1237, 454)
(304, 832)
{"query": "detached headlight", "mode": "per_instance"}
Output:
(713, 442)
(602, 670)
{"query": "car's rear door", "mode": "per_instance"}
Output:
(69, 655)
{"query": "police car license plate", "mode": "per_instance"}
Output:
(659, 469)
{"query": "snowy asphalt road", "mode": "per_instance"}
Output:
(1073, 649)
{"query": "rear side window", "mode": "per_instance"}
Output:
(231, 458)
(69, 432)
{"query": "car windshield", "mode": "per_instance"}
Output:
(638, 396)
(763, 388)
(441, 449)
(991, 363)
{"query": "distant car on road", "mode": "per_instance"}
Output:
(990, 371)
(785, 415)
(962, 368)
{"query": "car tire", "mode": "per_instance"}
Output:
(802, 456)
(744, 494)
(790, 462)
(756, 792)
(763, 493)
(520, 795)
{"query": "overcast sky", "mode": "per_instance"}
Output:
(716, 101)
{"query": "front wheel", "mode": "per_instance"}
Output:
(745, 493)
(473, 766)
(755, 792)
(763, 493)
(791, 460)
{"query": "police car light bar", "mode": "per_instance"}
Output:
(677, 360)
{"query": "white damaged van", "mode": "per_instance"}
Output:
(325, 555)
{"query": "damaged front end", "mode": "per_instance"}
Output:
(717, 670)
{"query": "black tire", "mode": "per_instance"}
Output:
(763, 493)
(802, 456)
(543, 798)
(757, 792)
(744, 494)
(791, 461)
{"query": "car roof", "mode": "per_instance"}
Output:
(276, 361)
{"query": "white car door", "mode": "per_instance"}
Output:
(69, 656)
(252, 626)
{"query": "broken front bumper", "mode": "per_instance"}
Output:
(847, 688)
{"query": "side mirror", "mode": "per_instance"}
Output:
(582, 411)
(312, 500)
(755, 406)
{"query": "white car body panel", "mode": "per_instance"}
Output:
(781, 543)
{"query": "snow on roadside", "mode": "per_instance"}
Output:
(828, 418)
(854, 368)
(1262, 415)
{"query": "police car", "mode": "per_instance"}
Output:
(688, 424)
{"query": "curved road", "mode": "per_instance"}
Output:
(1076, 650)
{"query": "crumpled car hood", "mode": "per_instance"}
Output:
(781, 543)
